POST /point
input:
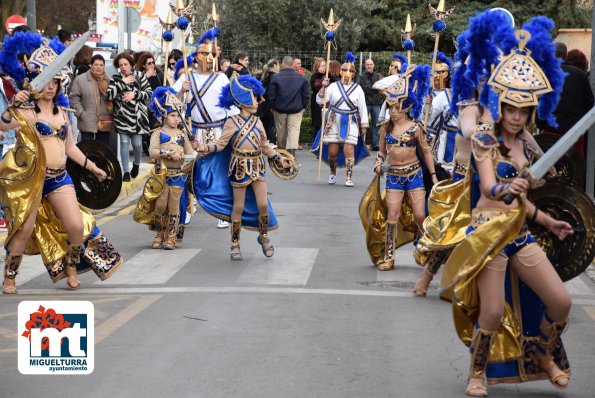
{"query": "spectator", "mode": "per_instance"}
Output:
(579, 59)
(240, 65)
(65, 36)
(334, 71)
(266, 116)
(373, 98)
(318, 74)
(130, 91)
(7, 138)
(224, 65)
(288, 94)
(171, 66)
(82, 59)
(88, 97)
(297, 65)
(146, 64)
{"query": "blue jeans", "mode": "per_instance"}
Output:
(374, 111)
(137, 146)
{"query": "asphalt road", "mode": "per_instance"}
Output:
(316, 320)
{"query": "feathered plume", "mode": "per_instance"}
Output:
(543, 52)
(20, 43)
(420, 76)
(403, 61)
(62, 100)
(350, 58)
(180, 65)
(210, 35)
(488, 35)
(226, 99)
(462, 88)
(57, 45)
(442, 58)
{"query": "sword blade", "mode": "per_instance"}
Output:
(63, 59)
(556, 152)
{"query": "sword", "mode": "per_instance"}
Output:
(52, 69)
(188, 132)
(556, 152)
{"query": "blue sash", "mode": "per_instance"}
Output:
(197, 96)
(345, 116)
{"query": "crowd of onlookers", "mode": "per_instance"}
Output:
(105, 104)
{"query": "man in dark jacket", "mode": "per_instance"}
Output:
(576, 98)
(289, 95)
(373, 98)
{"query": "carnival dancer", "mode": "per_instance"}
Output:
(204, 85)
(449, 202)
(400, 140)
(397, 66)
(442, 128)
(509, 304)
(245, 137)
(159, 206)
(42, 211)
(345, 123)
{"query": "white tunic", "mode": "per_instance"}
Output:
(206, 104)
(358, 98)
(444, 149)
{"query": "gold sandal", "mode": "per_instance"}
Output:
(555, 374)
(421, 289)
(386, 266)
(476, 388)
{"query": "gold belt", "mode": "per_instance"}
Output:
(405, 170)
(247, 154)
(460, 168)
(55, 172)
(482, 216)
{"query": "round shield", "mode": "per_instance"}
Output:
(566, 202)
(90, 192)
(277, 168)
(570, 165)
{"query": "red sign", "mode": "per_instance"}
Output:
(13, 21)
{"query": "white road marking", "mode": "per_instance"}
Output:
(31, 267)
(289, 266)
(151, 267)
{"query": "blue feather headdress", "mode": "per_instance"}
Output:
(443, 59)
(244, 90)
(180, 65)
(163, 101)
(402, 60)
(409, 91)
(209, 36)
(533, 50)
(350, 58)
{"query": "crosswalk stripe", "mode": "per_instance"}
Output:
(31, 267)
(151, 267)
(289, 266)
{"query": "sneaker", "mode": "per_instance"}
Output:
(3, 224)
(222, 224)
(332, 179)
(349, 183)
(126, 177)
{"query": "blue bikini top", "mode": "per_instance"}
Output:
(47, 130)
(405, 139)
(165, 138)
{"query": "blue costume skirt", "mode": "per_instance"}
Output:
(405, 178)
(360, 151)
(215, 194)
(55, 181)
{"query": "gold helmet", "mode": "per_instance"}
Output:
(441, 72)
(207, 51)
(348, 68)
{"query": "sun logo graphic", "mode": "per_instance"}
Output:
(56, 337)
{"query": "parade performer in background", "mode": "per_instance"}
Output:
(38, 195)
(243, 144)
(204, 85)
(400, 140)
(442, 129)
(159, 206)
(509, 304)
(345, 125)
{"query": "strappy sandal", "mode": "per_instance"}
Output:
(421, 290)
(235, 253)
(9, 289)
(386, 266)
(476, 388)
(554, 373)
(71, 273)
(269, 250)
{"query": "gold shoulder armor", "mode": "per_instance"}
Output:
(484, 145)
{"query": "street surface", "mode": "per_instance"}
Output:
(316, 320)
